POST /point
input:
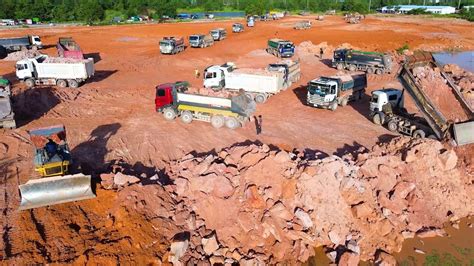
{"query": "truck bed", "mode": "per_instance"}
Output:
(65, 68)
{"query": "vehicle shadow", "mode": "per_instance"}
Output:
(31, 104)
(327, 62)
(89, 156)
(95, 56)
(301, 93)
(102, 75)
(362, 106)
(353, 149)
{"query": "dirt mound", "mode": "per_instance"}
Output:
(439, 92)
(464, 79)
(259, 205)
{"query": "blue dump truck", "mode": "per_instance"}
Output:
(280, 48)
(17, 43)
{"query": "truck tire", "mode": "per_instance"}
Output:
(370, 70)
(432, 137)
(333, 106)
(352, 68)
(187, 117)
(61, 83)
(30, 83)
(217, 121)
(344, 101)
(232, 123)
(392, 125)
(378, 119)
(260, 98)
(379, 71)
(340, 66)
(419, 134)
(73, 83)
(169, 114)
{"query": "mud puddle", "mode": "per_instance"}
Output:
(463, 59)
(455, 249)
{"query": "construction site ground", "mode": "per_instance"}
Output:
(111, 118)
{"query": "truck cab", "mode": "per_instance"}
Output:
(36, 41)
(322, 91)
(218, 34)
(382, 97)
(25, 69)
(250, 21)
(214, 76)
(166, 94)
(237, 27)
(196, 40)
(286, 49)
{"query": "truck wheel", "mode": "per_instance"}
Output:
(379, 71)
(169, 114)
(340, 66)
(187, 117)
(370, 70)
(419, 134)
(378, 119)
(61, 83)
(352, 68)
(333, 106)
(392, 125)
(73, 83)
(344, 101)
(432, 137)
(232, 123)
(30, 83)
(260, 98)
(217, 121)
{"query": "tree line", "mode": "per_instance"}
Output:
(105, 10)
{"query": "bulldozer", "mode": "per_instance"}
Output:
(52, 161)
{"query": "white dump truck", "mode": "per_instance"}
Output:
(55, 71)
(218, 34)
(259, 84)
(172, 45)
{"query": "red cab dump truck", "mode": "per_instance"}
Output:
(173, 100)
(68, 48)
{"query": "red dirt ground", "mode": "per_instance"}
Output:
(112, 117)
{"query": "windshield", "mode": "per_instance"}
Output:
(20, 66)
(288, 45)
(194, 38)
(165, 43)
(37, 39)
(209, 75)
(319, 89)
(375, 98)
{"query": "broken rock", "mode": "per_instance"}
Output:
(122, 180)
(210, 244)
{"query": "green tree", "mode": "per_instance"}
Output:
(89, 11)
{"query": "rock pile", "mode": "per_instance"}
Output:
(256, 205)
(464, 79)
(16, 56)
(439, 92)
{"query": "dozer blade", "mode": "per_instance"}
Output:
(55, 190)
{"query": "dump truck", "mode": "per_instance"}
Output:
(387, 107)
(7, 116)
(280, 48)
(258, 84)
(201, 40)
(52, 161)
(61, 72)
(172, 100)
(330, 92)
(237, 27)
(218, 34)
(303, 25)
(68, 48)
(172, 45)
(18, 43)
(369, 62)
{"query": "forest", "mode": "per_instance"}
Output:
(104, 10)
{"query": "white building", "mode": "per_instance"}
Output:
(402, 9)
